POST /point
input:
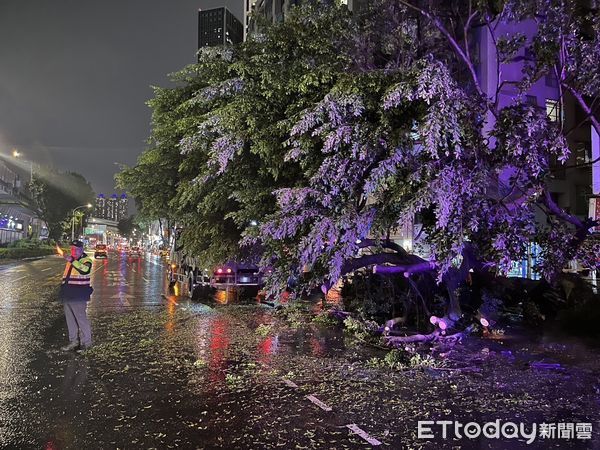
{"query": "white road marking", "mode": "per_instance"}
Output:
(48, 268)
(146, 279)
(363, 434)
(319, 403)
(19, 279)
(290, 383)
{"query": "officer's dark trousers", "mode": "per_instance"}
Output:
(78, 323)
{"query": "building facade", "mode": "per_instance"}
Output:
(277, 10)
(100, 207)
(572, 189)
(113, 209)
(218, 26)
(249, 6)
(18, 218)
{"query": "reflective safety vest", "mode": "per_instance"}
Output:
(80, 271)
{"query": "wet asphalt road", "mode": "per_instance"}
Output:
(163, 373)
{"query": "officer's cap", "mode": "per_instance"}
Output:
(77, 243)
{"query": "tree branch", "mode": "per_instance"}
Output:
(453, 43)
(407, 269)
(559, 212)
(586, 108)
(365, 243)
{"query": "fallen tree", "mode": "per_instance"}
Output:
(317, 151)
(403, 139)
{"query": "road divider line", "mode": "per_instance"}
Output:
(146, 279)
(352, 427)
(363, 434)
(19, 279)
(47, 268)
(319, 403)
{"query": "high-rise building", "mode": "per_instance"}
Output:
(100, 206)
(274, 10)
(122, 207)
(218, 26)
(356, 6)
(249, 6)
(278, 10)
(114, 208)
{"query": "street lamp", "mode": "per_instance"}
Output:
(89, 205)
(17, 154)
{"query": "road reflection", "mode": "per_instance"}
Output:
(219, 343)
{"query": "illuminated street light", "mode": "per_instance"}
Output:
(17, 154)
(89, 205)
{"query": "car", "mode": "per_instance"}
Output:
(134, 252)
(101, 251)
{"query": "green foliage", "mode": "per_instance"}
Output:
(21, 253)
(200, 364)
(324, 318)
(234, 381)
(296, 314)
(246, 97)
(56, 194)
(128, 226)
(327, 132)
(397, 359)
(29, 243)
(264, 329)
(362, 330)
(417, 361)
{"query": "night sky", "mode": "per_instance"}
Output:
(75, 76)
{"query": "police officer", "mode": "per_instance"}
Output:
(75, 292)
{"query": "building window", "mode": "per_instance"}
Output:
(531, 100)
(553, 110)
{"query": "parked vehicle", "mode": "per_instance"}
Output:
(195, 276)
(101, 251)
(234, 274)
